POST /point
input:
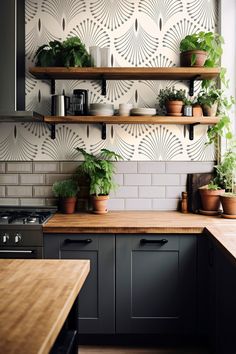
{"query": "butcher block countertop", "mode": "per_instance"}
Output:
(134, 222)
(35, 299)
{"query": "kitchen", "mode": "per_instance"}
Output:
(150, 180)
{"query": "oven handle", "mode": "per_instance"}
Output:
(19, 251)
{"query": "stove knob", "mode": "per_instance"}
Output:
(17, 238)
(5, 238)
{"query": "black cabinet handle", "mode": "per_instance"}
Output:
(86, 240)
(160, 242)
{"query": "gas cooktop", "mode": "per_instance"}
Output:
(25, 215)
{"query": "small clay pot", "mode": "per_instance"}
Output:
(100, 204)
(210, 111)
(67, 205)
(197, 110)
(210, 198)
(174, 108)
(186, 58)
(228, 204)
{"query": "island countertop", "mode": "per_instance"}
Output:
(146, 222)
(35, 299)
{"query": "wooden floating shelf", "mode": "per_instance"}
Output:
(131, 120)
(127, 73)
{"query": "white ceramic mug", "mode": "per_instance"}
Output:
(105, 56)
(95, 56)
(125, 108)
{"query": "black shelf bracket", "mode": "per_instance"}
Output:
(53, 131)
(104, 86)
(104, 131)
(191, 85)
(191, 130)
(53, 87)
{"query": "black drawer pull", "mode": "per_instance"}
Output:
(160, 242)
(86, 240)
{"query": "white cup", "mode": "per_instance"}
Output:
(105, 56)
(125, 108)
(95, 56)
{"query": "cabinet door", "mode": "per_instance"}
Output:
(96, 299)
(155, 283)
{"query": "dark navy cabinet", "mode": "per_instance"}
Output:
(156, 284)
(97, 297)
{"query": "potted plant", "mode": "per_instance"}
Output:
(210, 98)
(210, 198)
(172, 100)
(100, 170)
(226, 172)
(71, 52)
(66, 191)
(201, 49)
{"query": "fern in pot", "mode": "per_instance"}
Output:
(66, 192)
(100, 170)
(172, 100)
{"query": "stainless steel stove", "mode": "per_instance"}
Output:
(21, 232)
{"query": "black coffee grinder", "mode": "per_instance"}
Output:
(80, 102)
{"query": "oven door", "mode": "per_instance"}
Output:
(21, 252)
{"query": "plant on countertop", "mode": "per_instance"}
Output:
(100, 170)
(208, 42)
(66, 191)
(71, 52)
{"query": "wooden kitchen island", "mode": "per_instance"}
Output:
(36, 297)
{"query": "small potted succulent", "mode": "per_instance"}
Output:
(71, 52)
(172, 100)
(66, 192)
(201, 49)
(100, 170)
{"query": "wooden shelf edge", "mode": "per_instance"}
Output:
(128, 73)
(131, 120)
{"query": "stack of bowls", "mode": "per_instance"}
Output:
(101, 109)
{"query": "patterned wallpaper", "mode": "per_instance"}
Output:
(139, 33)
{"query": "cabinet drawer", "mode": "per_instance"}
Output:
(78, 242)
(155, 242)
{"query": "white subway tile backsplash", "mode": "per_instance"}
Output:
(116, 204)
(19, 191)
(43, 167)
(2, 167)
(125, 192)
(119, 179)
(138, 204)
(126, 166)
(2, 191)
(189, 166)
(151, 192)
(137, 179)
(151, 167)
(51, 178)
(165, 179)
(19, 167)
(32, 179)
(32, 201)
(9, 201)
(174, 191)
(9, 179)
(68, 166)
(165, 204)
(42, 191)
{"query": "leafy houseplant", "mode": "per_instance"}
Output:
(100, 170)
(66, 191)
(172, 100)
(71, 52)
(210, 98)
(201, 49)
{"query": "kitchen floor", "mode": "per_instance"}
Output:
(132, 350)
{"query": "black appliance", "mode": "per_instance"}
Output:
(80, 102)
(21, 232)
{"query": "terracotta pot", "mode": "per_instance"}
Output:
(210, 111)
(210, 198)
(100, 204)
(197, 110)
(228, 204)
(186, 58)
(174, 108)
(67, 205)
